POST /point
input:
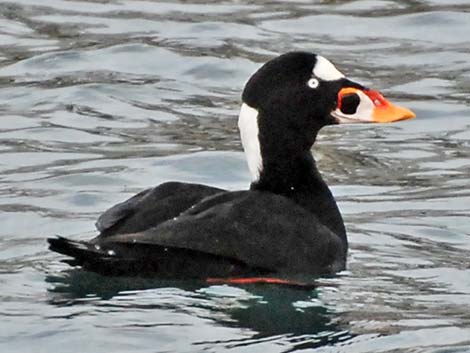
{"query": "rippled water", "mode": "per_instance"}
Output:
(99, 99)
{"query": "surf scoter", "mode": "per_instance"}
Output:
(286, 223)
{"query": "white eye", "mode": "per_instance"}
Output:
(313, 83)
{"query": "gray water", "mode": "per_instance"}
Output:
(100, 99)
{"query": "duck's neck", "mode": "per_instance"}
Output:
(282, 164)
(299, 179)
(287, 174)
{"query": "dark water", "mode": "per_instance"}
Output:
(99, 99)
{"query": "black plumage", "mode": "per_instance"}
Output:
(287, 223)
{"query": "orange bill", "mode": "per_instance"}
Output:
(367, 106)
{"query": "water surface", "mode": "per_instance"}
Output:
(100, 99)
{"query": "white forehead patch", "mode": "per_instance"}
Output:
(325, 70)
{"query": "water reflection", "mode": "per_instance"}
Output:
(291, 316)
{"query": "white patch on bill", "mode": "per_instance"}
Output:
(325, 70)
(363, 114)
(248, 125)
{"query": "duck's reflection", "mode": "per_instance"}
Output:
(293, 315)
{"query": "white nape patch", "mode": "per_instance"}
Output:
(248, 125)
(325, 70)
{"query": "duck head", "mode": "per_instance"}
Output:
(290, 98)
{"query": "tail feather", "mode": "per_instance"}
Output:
(76, 249)
(147, 260)
(91, 256)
